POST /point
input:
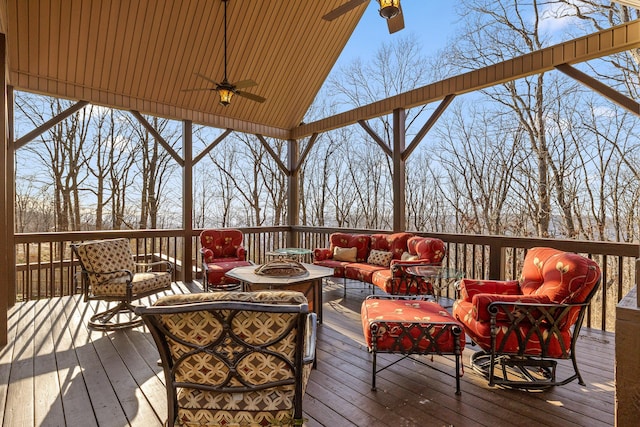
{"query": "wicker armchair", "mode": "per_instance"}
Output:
(234, 358)
(109, 273)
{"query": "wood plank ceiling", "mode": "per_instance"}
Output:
(139, 54)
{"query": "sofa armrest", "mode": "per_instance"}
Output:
(321, 254)
(241, 253)
(207, 254)
(467, 288)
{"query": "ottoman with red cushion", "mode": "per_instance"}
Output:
(410, 326)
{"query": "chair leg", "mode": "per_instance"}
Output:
(344, 286)
(109, 320)
(373, 372)
(577, 371)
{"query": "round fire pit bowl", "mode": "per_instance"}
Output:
(283, 267)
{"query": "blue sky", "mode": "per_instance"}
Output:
(432, 21)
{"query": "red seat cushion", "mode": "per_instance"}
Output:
(362, 271)
(345, 240)
(406, 325)
(338, 266)
(397, 285)
(224, 243)
(217, 271)
(480, 333)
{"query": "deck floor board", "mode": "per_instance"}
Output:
(55, 371)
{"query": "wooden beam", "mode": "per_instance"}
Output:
(304, 155)
(604, 90)
(606, 42)
(212, 146)
(376, 138)
(273, 154)
(23, 140)
(156, 135)
(427, 126)
(106, 98)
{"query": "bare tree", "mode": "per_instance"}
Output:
(397, 67)
(59, 153)
(155, 166)
(621, 70)
(498, 30)
(478, 156)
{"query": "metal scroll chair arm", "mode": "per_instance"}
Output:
(523, 323)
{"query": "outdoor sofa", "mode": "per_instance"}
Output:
(380, 259)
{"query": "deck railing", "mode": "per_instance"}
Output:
(46, 268)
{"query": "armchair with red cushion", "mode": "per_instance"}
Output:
(221, 251)
(524, 326)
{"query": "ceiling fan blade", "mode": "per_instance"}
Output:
(341, 10)
(196, 89)
(251, 96)
(244, 83)
(396, 23)
(207, 79)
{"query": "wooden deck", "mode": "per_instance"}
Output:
(56, 372)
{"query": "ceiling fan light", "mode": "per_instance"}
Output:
(225, 93)
(389, 8)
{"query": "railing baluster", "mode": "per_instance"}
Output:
(39, 277)
(603, 282)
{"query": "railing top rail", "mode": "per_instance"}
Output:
(583, 246)
(66, 236)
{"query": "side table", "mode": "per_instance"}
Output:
(298, 254)
(439, 276)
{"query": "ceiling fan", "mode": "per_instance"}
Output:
(389, 9)
(225, 89)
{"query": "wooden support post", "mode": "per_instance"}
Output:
(187, 200)
(11, 197)
(637, 281)
(399, 169)
(497, 262)
(6, 205)
(293, 210)
(627, 368)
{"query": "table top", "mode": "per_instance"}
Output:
(290, 251)
(247, 274)
(435, 272)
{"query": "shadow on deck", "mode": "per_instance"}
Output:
(56, 372)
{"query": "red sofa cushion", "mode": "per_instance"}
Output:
(224, 243)
(396, 243)
(345, 240)
(428, 249)
(402, 325)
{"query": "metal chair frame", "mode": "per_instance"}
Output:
(519, 369)
(103, 320)
(305, 324)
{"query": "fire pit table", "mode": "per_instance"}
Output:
(307, 281)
